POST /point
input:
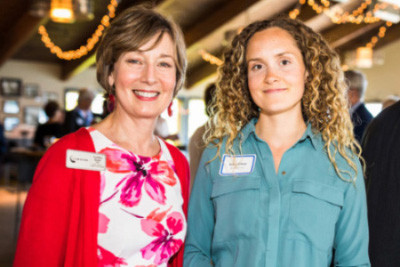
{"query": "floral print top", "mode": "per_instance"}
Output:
(141, 221)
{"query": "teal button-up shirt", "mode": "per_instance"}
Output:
(291, 218)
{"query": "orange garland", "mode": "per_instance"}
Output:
(90, 43)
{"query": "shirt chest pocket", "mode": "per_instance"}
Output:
(314, 211)
(236, 204)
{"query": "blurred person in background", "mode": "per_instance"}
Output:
(390, 100)
(81, 116)
(360, 116)
(47, 132)
(114, 194)
(3, 142)
(196, 143)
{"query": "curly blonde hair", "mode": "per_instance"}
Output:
(324, 103)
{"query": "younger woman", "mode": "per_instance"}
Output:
(280, 183)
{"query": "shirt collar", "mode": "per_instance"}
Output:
(308, 134)
(354, 107)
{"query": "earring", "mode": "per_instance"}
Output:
(170, 110)
(111, 102)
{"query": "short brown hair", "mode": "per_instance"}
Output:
(51, 108)
(130, 30)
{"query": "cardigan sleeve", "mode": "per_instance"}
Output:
(59, 223)
(43, 231)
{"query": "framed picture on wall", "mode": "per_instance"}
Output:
(10, 106)
(10, 86)
(31, 90)
(10, 123)
(46, 96)
(34, 115)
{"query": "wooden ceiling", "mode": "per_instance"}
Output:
(205, 24)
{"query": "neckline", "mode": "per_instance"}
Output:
(157, 156)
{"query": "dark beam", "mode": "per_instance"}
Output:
(72, 68)
(306, 13)
(212, 21)
(16, 37)
(392, 34)
(343, 34)
(198, 73)
(340, 31)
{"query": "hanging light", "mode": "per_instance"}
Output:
(364, 57)
(69, 11)
(62, 11)
(91, 42)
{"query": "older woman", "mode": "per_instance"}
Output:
(114, 194)
(280, 183)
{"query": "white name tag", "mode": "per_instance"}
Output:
(85, 160)
(237, 165)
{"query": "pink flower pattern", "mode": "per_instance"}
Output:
(165, 245)
(146, 172)
(108, 259)
(163, 228)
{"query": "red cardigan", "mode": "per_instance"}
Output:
(59, 223)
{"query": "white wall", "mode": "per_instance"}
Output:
(47, 76)
(384, 80)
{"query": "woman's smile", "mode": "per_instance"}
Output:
(146, 95)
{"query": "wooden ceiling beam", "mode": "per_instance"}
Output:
(18, 35)
(392, 34)
(203, 69)
(343, 35)
(72, 68)
(212, 21)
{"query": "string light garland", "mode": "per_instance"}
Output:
(90, 43)
(210, 58)
(339, 16)
(380, 35)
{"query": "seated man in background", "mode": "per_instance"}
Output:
(81, 116)
(360, 116)
(52, 128)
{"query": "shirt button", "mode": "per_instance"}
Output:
(283, 173)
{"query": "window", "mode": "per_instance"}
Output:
(197, 115)
(71, 100)
(374, 107)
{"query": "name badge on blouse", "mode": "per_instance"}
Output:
(237, 165)
(85, 160)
